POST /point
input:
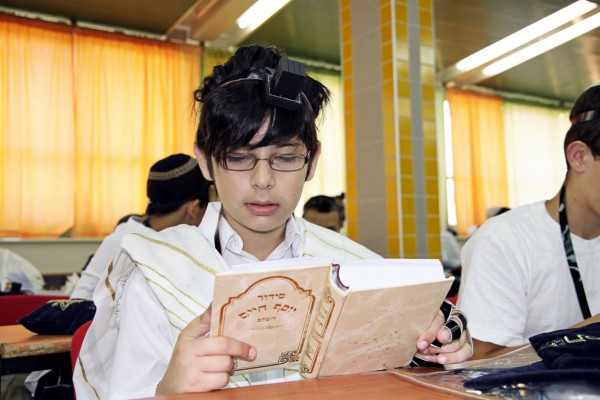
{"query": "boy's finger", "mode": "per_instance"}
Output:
(199, 326)
(455, 325)
(222, 345)
(463, 353)
(427, 337)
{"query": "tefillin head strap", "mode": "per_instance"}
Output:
(282, 86)
(585, 116)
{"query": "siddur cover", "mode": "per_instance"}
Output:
(279, 303)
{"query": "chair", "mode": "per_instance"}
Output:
(19, 305)
(77, 341)
(452, 299)
(76, 344)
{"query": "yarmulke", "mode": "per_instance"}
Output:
(174, 180)
(59, 317)
(568, 356)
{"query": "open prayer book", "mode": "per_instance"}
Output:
(329, 319)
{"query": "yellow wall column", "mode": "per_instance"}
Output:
(391, 150)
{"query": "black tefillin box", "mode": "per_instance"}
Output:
(283, 85)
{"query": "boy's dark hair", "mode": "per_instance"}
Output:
(502, 210)
(233, 107)
(585, 120)
(322, 204)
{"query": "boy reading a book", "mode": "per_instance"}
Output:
(257, 141)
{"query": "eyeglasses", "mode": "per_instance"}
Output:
(277, 162)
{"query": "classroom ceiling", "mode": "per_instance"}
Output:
(309, 29)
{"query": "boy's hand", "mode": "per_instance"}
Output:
(200, 363)
(451, 351)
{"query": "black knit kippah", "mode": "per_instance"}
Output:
(172, 181)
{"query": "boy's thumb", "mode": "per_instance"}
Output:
(198, 326)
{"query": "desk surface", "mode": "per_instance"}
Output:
(378, 385)
(17, 341)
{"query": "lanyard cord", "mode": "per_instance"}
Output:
(570, 253)
(218, 241)
(217, 238)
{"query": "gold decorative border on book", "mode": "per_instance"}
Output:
(286, 356)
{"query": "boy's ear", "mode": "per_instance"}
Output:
(314, 158)
(202, 162)
(192, 207)
(577, 154)
(192, 213)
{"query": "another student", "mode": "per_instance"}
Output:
(450, 250)
(323, 211)
(257, 141)
(16, 270)
(522, 270)
(177, 194)
(494, 211)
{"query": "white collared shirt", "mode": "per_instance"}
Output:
(232, 245)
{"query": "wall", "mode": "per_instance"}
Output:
(54, 256)
(388, 71)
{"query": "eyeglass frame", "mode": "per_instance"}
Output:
(269, 159)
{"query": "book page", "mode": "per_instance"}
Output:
(371, 274)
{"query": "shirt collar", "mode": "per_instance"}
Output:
(232, 244)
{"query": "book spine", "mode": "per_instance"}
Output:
(321, 332)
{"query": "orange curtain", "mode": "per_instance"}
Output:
(36, 128)
(479, 156)
(134, 106)
(83, 116)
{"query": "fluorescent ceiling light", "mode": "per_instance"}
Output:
(543, 45)
(259, 12)
(526, 34)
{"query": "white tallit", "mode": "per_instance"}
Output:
(178, 266)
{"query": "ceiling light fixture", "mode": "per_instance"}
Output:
(576, 19)
(259, 12)
(543, 45)
(526, 34)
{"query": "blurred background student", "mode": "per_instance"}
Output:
(324, 211)
(17, 275)
(177, 194)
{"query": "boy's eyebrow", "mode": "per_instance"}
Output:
(289, 144)
(279, 145)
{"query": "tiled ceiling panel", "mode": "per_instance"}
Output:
(309, 29)
(151, 16)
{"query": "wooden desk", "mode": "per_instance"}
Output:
(24, 351)
(374, 386)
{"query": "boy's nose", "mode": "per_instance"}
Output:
(263, 176)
